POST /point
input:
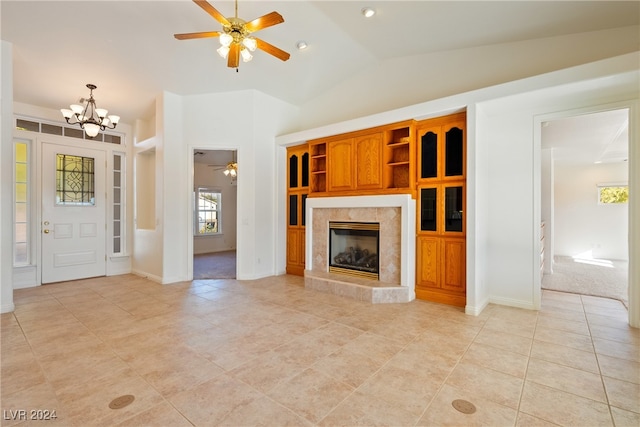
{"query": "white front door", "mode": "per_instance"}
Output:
(73, 213)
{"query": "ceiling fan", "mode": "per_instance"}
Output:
(235, 37)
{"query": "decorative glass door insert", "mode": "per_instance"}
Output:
(75, 180)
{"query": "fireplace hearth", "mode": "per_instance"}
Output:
(353, 248)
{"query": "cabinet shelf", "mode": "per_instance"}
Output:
(397, 143)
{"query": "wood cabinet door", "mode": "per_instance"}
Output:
(368, 155)
(340, 165)
(454, 265)
(428, 264)
(293, 247)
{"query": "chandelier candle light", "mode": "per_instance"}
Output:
(88, 117)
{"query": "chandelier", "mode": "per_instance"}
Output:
(231, 170)
(88, 117)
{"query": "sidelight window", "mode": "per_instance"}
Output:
(21, 190)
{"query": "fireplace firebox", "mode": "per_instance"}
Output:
(354, 248)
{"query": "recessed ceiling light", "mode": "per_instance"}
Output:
(301, 45)
(368, 12)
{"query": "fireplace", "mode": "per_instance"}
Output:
(394, 214)
(354, 248)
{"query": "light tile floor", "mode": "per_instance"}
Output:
(270, 352)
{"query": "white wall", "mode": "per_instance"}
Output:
(511, 209)
(516, 177)
(582, 225)
(247, 122)
(205, 176)
(399, 82)
(148, 171)
(6, 178)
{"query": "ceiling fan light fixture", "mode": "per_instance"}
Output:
(368, 12)
(223, 51)
(225, 39)
(302, 45)
(246, 55)
(250, 43)
(231, 169)
(236, 35)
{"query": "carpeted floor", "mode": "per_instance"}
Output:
(597, 277)
(216, 265)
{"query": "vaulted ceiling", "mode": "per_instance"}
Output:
(128, 50)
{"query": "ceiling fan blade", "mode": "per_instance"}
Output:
(213, 12)
(234, 56)
(200, 35)
(271, 49)
(265, 21)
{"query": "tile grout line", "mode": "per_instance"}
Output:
(606, 392)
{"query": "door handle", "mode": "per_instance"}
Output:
(45, 231)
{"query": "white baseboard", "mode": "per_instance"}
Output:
(528, 305)
(151, 277)
(7, 308)
(475, 310)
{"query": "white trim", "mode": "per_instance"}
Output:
(475, 310)
(145, 275)
(527, 305)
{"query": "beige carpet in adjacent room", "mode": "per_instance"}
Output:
(215, 265)
(597, 277)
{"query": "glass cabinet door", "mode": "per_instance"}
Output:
(293, 209)
(429, 155)
(305, 170)
(453, 202)
(293, 171)
(453, 152)
(429, 209)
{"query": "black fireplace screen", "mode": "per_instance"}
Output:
(354, 247)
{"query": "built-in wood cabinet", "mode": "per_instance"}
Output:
(368, 161)
(299, 164)
(373, 161)
(355, 163)
(441, 198)
(426, 159)
(318, 176)
(399, 157)
(340, 165)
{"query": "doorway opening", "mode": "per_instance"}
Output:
(215, 212)
(585, 238)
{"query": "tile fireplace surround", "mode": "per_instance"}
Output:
(396, 216)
